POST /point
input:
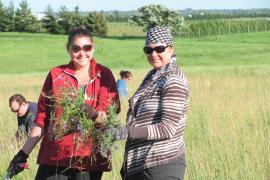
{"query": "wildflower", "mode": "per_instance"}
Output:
(79, 128)
(74, 121)
(75, 118)
(65, 126)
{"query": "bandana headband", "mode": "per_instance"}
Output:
(159, 34)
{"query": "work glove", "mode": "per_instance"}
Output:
(91, 112)
(118, 132)
(17, 164)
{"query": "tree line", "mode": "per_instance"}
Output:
(210, 27)
(192, 22)
(191, 14)
(60, 22)
(202, 14)
(22, 20)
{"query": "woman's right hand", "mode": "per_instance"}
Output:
(91, 112)
(99, 122)
(96, 116)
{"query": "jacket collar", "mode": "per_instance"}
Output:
(70, 68)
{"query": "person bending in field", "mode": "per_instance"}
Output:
(26, 113)
(122, 83)
(66, 158)
(155, 148)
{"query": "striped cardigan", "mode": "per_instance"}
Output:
(156, 119)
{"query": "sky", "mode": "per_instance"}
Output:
(124, 5)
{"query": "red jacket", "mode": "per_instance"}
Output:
(99, 93)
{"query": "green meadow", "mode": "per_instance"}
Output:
(228, 126)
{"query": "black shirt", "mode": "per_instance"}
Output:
(26, 122)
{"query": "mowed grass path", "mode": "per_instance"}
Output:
(228, 125)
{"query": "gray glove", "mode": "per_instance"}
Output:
(118, 133)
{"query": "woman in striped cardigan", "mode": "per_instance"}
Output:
(155, 148)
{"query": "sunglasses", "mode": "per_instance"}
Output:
(85, 48)
(157, 49)
(15, 111)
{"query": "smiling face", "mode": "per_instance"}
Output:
(81, 51)
(158, 60)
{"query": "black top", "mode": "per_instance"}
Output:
(26, 122)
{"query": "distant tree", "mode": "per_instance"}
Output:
(117, 16)
(76, 18)
(50, 22)
(97, 23)
(6, 17)
(225, 13)
(10, 13)
(64, 19)
(158, 15)
(2, 17)
(69, 19)
(24, 20)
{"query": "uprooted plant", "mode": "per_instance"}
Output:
(71, 118)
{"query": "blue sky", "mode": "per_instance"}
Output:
(122, 5)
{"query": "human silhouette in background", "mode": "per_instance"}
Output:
(26, 113)
(122, 83)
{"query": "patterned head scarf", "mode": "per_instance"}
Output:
(159, 34)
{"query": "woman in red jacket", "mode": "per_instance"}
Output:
(60, 157)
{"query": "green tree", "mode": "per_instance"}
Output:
(50, 22)
(24, 20)
(69, 19)
(158, 15)
(2, 16)
(6, 17)
(65, 19)
(97, 23)
(118, 16)
(76, 18)
(10, 14)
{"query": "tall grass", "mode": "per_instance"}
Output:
(228, 125)
(227, 130)
(227, 133)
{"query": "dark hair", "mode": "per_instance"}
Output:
(125, 74)
(18, 98)
(78, 32)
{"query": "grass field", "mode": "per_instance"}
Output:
(41, 52)
(124, 29)
(228, 126)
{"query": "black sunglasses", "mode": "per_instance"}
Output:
(85, 48)
(157, 49)
(15, 111)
